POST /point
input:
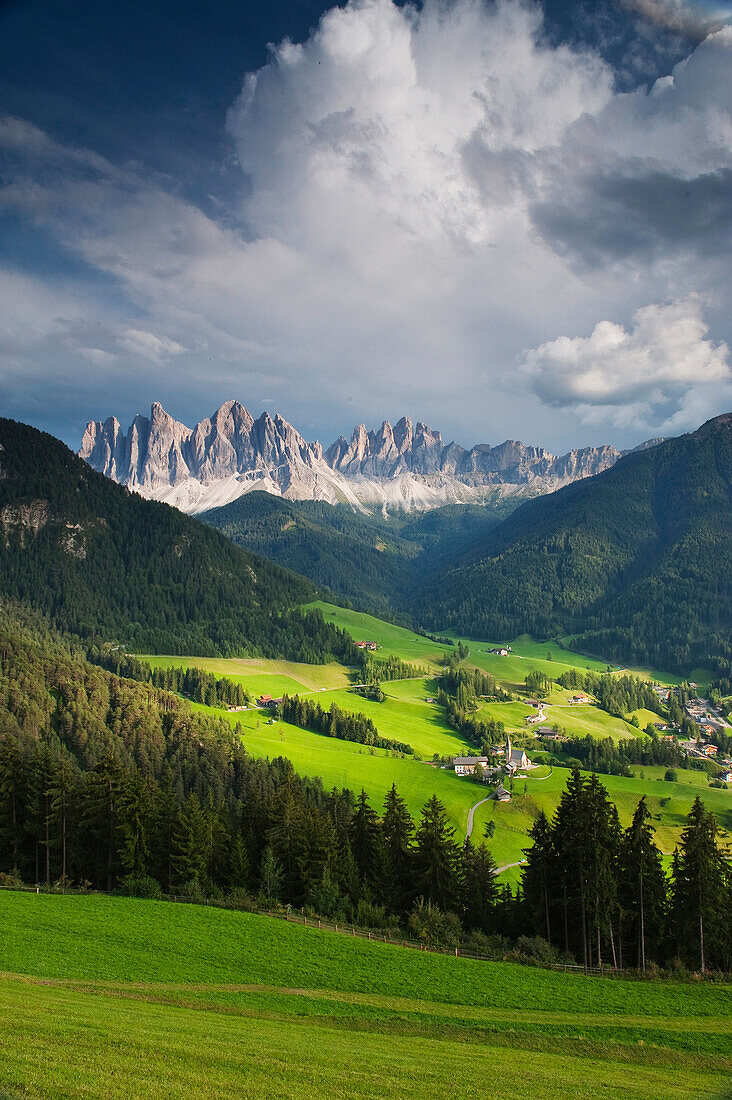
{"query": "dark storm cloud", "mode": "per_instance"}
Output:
(619, 217)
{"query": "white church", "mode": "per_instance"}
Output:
(516, 759)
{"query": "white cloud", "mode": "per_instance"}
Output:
(148, 345)
(429, 191)
(658, 361)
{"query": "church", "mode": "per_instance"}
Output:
(515, 758)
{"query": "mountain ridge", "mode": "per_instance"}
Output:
(407, 466)
(635, 563)
(108, 566)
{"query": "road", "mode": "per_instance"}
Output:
(471, 812)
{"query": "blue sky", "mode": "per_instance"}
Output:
(504, 220)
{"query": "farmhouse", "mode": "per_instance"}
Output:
(366, 645)
(710, 750)
(466, 765)
(268, 701)
(581, 698)
(502, 651)
(501, 794)
(233, 708)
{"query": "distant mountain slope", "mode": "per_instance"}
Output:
(404, 468)
(374, 563)
(637, 561)
(105, 564)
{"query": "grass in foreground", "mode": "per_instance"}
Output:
(146, 999)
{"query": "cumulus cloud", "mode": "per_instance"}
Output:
(427, 192)
(656, 362)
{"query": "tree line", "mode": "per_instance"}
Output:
(618, 695)
(601, 893)
(194, 683)
(118, 785)
(609, 757)
(335, 722)
(459, 692)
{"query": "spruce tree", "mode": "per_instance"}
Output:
(397, 830)
(540, 879)
(365, 841)
(480, 889)
(642, 889)
(702, 885)
(436, 858)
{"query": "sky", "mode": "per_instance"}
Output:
(504, 219)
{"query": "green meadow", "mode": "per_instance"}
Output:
(408, 715)
(347, 764)
(120, 998)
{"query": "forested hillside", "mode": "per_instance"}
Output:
(636, 562)
(105, 564)
(118, 785)
(374, 562)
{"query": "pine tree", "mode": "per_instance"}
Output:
(397, 829)
(436, 858)
(135, 823)
(540, 877)
(365, 840)
(480, 889)
(63, 792)
(702, 885)
(13, 790)
(270, 875)
(642, 887)
(190, 847)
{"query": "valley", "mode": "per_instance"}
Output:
(410, 713)
(183, 715)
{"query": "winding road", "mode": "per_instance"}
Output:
(471, 813)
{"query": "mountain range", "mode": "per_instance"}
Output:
(407, 467)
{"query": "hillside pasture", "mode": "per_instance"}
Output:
(254, 673)
(347, 764)
(131, 999)
(406, 716)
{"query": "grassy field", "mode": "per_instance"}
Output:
(406, 715)
(347, 764)
(253, 673)
(527, 654)
(129, 999)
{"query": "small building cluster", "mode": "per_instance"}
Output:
(268, 701)
(366, 645)
(501, 651)
(515, 760)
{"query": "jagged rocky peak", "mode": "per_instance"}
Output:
(160, 451)
(404, 466)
